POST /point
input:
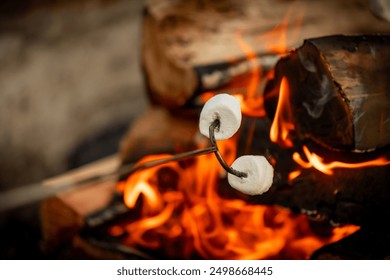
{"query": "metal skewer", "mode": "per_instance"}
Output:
(213, 149)
(35, 192)
(213, 126)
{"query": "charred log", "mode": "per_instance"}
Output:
(362, 245)
(350, 196)
(339, 91)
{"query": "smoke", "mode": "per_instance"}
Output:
(319, 97)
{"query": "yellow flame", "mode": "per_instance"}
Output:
(319, 163)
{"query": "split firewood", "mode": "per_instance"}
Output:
(192, 46)
(338, 90)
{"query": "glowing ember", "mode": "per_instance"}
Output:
(292, 175)
(283, 124)
(327, 168)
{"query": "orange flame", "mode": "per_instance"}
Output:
(192, 219)
(256, 70)
(282, 124)
(294, 174)
(318, 163)
(276, 39)
(252, 103)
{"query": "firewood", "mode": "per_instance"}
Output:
(362, 245)
(63, 215)
(357, 196)
(350, 196)
(339, 91)
(193, 46)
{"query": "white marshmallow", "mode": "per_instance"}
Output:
(260, 175)
(227, 109)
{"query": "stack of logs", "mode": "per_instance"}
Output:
(189, 47)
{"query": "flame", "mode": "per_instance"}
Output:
(318, 162)
(294, 174)
(276, 39)
(283, 124)
(256, 70)
(275, 42)
(192, 219)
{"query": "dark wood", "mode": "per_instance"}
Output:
(361, 245)
(350, 196)
(339, 91)
(358, 196)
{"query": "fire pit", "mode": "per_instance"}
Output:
(329, 193)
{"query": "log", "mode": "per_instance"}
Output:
(361, 245)
(339, 91)
(350, 196)
(63, 215)
(357, 196)
(189, 47)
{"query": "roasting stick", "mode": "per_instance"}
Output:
(221, 115)
(35, 192)
(38, 191)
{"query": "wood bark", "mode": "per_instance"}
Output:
(339, 91)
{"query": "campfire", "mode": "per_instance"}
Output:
(314, 114)
(186, 211)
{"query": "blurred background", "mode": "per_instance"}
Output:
(70, 85)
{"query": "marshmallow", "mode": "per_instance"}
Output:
(227, 109)
(260, 175)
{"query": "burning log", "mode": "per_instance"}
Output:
(362, 245)
(339, 91)
(337, 187)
